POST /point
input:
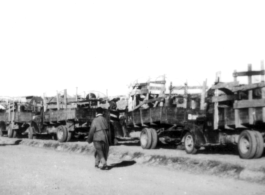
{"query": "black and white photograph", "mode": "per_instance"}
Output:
(121, 97)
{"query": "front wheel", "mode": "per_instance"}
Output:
(260, 144)
(154, 139)
(146, 138)
(247, 144)
(189, 144)
(62, 133)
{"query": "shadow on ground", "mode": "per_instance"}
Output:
(11, 144)
(124, 163)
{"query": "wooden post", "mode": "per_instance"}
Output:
(44, 103)
(76, 97)
(65, 99)
(235, 77)
(203, 94)
(216, 111)
(170, 93)
(217, 77)
(13, 114)
(236, 112)
(186, 89)
(250, 96)
(9, 108)
(58, 101)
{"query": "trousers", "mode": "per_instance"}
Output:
(101, 153)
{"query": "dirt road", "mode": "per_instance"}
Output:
(27, 170)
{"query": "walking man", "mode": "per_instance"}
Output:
(98, 136)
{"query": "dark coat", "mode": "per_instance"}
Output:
(98, 130)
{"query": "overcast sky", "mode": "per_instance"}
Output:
(47, 46)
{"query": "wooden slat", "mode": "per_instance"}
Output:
(249, 87)
(186, 87)
(249, 73)
(147, 83)
(249, 103)
(229, 85)
(223, 98)
(55, 106)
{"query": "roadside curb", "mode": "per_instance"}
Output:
(190, 164)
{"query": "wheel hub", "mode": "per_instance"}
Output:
(144, 140)
(244, 145)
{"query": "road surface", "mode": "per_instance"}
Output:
(26, 170)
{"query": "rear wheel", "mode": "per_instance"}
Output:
(154, 139)
(146, 138)
(247, 144)
(62, 133)
(260, 144)
(189, 144)
(69, 136)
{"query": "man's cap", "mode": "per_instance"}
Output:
(99, 110)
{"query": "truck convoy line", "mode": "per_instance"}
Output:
(226, 114)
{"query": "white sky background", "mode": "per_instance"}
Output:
(47, 46)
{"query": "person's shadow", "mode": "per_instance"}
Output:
(124, 163)
(13, 144)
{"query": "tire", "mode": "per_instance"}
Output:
(9, 131)
(35, 127)
(2, 128)
(260, 145)
(154, 139)
(30, 132)
(69, 136)
(247, 144)
(146, 138)
(62, 133)
(189, 144)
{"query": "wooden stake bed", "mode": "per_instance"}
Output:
(239, 106)
(235, 115)
(162, 115)
(80, 114)
(18, 117)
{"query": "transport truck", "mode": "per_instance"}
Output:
(234, 116)
(61, 117)
(17, 113)
(161, 117)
